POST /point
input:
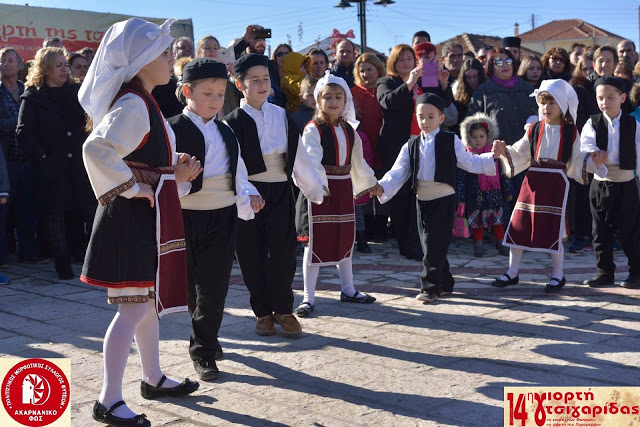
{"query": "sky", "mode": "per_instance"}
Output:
(386, 26)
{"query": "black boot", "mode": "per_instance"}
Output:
(361, 242)
(63, 268)
(370, 226)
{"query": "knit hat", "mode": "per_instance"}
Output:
(126, 47)
(563, 93)
(488, 122)
(349, 112)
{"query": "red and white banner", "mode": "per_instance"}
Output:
(25, 27)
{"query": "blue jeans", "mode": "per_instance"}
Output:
(23, 208)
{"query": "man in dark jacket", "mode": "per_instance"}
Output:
(345, 57)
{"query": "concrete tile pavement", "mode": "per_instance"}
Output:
(395, 362)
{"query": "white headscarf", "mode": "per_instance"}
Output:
(349, 112)
(126, 47)
(563, 93)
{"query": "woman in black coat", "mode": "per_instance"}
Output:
(51, 132)
(396, 97)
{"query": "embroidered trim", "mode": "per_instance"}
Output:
(510, 161)
(333, 218)
(362, 193)
(538, 208)
(128, 284)
(171, 246)
(337, 170)
(111, 195)
(585, 178)
(132, 298)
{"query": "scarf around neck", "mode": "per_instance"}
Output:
(487, 182)
(509, 84)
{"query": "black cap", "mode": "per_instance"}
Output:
(614, 81)
(245, 62)
(510, 42)
(433, 99)
(203, 68)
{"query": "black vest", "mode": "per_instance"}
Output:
(190, 140)
(627, 138)
(445, 160)
(247, 134)
(155, 149)
(329, 143)
(568, 135)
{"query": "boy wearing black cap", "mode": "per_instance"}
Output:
(614, 199)
(512, 44)
(430, 161)
(214, 201)
(275, 158)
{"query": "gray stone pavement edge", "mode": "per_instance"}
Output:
(397, 362)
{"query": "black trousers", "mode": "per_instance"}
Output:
(266, 250)
(578, 207)
(615, 206)
(404, 220)
(211, 239)
(435, 225)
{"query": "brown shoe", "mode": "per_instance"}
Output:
(265, 326)
(289, 324)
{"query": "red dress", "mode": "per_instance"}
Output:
(371, 120)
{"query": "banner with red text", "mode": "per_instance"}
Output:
(571, 406)
(25, 27)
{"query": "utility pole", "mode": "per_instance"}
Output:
(362, 16)
(533, 21)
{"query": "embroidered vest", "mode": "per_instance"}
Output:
(566, 140)
(329, 142)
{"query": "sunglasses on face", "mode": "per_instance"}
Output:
(502, 62)
(280, 54)
(558, 59)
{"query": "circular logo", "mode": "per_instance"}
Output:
(35, 392)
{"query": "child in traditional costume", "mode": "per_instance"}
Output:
(482, 195)
(550, 150)
(613, 196)
(336, 152)
(215, 201)
(430, 161)
(137, 248)
(275, 159)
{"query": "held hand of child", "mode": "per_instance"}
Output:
(145, 192)
(3, 200)
(376, 191)
(187, 171)
(257, 203)
(599, 158)
(498, 149)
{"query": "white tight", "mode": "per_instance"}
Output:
(137, 321)
(310, 275)
(557, 260)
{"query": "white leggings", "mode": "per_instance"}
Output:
(310, 275)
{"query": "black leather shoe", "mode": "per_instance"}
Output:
(361, 242)
(504, 283)
(599, 281)
(206, 369)
(631, 282)
(359, 298)
(555, 288)
(185, 387)
(219, 355)
(105, 416)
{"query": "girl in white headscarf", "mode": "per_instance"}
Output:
(335, 150)
(136, 249)
(550, 149)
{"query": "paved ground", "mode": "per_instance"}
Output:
(396, 362)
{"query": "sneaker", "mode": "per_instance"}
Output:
(289, 324)
(4, 280)
(265, 326)
(478, 249)
(580, 245)
(427, 296)
(599, 281)
(206, 369)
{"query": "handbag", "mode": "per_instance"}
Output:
(460, 224)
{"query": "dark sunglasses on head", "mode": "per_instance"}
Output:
(503, 62)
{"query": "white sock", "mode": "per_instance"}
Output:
(557, 260)
(147, 338)
(515, 255)
(310, 276)
(346, 278)
(117, 343)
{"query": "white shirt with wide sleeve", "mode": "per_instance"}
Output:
(588, 145)
(520, 155)
(393, 180)
(271, 123)
(362, 176)
(118, 134)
